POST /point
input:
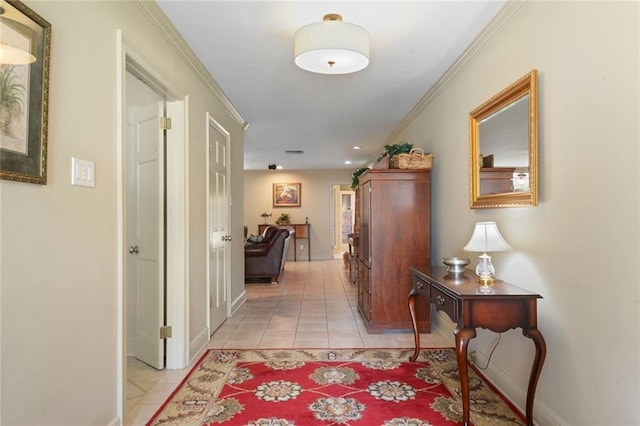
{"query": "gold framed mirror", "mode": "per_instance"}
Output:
(503, 139)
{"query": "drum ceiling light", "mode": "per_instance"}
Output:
(332, 46)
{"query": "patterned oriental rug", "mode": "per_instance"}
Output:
(329, 387)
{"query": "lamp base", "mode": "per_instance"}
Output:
(485, 289)
(486, 284)
(486, 280)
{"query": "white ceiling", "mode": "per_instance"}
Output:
(248, 48)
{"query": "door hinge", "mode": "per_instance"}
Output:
(165, 123)
(165, 332)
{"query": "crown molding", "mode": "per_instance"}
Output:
(508, 11)
(157, 16)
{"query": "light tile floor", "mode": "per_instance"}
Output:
(313, 306)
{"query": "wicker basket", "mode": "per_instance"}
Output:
(415, 159)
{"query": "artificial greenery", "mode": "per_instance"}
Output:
(284, 218)
(389, 151)
(355, 177)
(395, 149)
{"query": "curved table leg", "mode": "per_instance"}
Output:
(462, 341)
(541, 352)
(416, 334)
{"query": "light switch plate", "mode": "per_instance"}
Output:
(83, 173)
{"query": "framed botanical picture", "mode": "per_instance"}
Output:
(287, 194)
(25, 39)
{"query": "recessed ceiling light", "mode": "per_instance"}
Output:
(347, 162)
(356, 147)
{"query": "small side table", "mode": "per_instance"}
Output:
(507, 307)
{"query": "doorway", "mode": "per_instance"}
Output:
(169, 272)
(344, 218)
(145, 224)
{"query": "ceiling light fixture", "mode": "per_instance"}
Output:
(332, 46)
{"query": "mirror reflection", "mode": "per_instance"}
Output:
(504, 147)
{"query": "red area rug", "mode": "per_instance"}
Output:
(329, 387)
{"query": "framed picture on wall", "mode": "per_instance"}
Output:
(287, 194)
(25, 40)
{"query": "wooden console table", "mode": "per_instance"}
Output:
(507, 307)
(302, 232)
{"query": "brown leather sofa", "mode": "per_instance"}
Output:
(266, 259)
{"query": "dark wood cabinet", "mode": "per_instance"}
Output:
(394, 230)
(496, 180)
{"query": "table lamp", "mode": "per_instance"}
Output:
(486, 238)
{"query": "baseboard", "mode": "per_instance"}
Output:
(198, 344)
(441, 323)
(239, 301)
(130, 347)
(513, 391)
(115, 422)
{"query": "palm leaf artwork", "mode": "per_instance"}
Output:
(12, 96)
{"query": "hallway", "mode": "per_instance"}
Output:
(314, 306)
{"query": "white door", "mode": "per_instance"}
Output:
(145, 231)
(218, 223)
(347, 218)
(344, 219)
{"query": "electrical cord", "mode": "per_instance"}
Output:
(495, 345)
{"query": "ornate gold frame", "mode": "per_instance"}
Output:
(29, 165)
(293, 192)
(526, 85)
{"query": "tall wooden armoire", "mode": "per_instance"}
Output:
(394, 227)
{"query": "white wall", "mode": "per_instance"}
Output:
(316, 204)
(580, 247)
(59, 280)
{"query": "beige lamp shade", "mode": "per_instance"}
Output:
(486, 238)
(15, 40)
(332, 46)
(14, 56)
